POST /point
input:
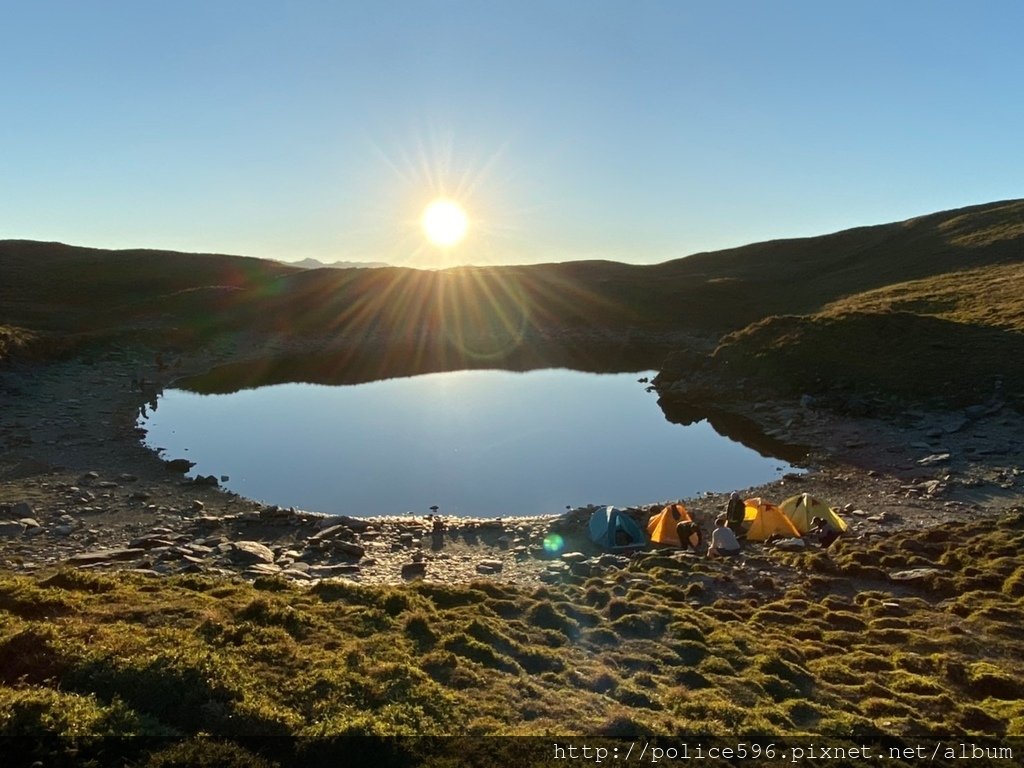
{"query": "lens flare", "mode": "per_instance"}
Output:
(553, 543)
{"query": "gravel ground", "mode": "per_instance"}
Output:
(78, 487)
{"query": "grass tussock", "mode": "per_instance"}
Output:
(198, 671)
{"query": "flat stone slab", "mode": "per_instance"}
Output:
(791, 545)
(107, 555)
(250, 552)
(915, 574)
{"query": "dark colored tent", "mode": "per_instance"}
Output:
(612, 528)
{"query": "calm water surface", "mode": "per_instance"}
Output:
(479, 443)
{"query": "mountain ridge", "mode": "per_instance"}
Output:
(55, 291)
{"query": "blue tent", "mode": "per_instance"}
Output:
(612, 528)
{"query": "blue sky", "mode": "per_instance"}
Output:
(634, 131)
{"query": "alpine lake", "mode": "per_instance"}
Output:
(475, 443)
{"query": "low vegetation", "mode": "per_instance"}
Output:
(589, 314)
(119, 667)
(953, 340)
(884, 642)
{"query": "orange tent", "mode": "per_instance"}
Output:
(766, 520)
(661, 528)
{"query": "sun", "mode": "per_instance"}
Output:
(445, 223)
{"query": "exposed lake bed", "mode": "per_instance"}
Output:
(73, 456)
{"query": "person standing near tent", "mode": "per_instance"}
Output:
(735, 513)
(723, 541)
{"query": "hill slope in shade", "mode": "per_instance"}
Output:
(951, 279)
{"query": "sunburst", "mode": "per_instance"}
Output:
(445, 223)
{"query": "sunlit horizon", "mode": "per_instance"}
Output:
(636, 134)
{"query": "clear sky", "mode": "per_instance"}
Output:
(630, 130)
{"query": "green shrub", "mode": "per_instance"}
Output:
(272, 583)
(418, 628)
(79, 581)
(266, 613)
(632, 695)
(547, 616)
(473, 650)
(204, 752)
(648, 624)
(180, 685)
(66, 729)
(33, 654)
(690, 652)
(986, 679)
(22, 597)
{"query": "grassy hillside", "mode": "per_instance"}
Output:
(195, 671)
(954, 337)
(48, 287)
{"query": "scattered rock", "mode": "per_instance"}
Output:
(327, 571)
(106, 556)
(263, 569)
(915, 575)
(348, 548)
(22, 509)
(10, 529)
(335, 531)
(179, 465)
(354, 523)
(791, 545)
(414, 570)
(250, 552)
(489, 566)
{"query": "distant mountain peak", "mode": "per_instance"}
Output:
(311, 263)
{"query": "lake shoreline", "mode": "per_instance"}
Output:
(73, 462)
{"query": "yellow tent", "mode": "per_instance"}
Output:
(766, 520)
(803, 508)
(661, 528)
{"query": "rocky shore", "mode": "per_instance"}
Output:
(78, 488)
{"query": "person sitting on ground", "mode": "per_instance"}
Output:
(735, 513)
(723, 541)
(825, 532)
